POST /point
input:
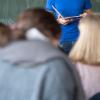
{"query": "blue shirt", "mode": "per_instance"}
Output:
(69, 8)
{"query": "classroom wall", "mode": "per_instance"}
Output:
(96, 5)
(9, 9)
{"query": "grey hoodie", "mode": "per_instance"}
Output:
(35, 70)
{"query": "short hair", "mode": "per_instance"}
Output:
(44, 21)
(87, 47)
(5, 34)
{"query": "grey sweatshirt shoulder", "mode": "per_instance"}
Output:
(34, 70)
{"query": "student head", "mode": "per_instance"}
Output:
(5, 34)
(87, 48)
(40, 19)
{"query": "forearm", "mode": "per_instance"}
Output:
(89, 11)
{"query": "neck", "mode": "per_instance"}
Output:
(34, 33)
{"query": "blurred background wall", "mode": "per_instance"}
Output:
(9, 9)
(96, 5)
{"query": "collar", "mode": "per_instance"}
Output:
(34, 33)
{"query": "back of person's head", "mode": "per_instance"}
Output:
(18, 34)
(5, 34)
(39, 18)
(87, 48)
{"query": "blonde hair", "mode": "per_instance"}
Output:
(87, 48)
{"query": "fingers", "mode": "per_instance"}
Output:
(59, 16)
(63, 21)
(84, 14)
(68, 21)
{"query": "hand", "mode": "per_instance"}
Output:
(84, 14)
(63, 21)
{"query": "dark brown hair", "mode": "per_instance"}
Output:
(5, 34)
(44, 21)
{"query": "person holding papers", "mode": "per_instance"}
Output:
(68, 8)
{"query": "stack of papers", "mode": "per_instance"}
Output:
(66, 18)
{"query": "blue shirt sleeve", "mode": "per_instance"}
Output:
(49, 5)
(49, 8)
(88, 4)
